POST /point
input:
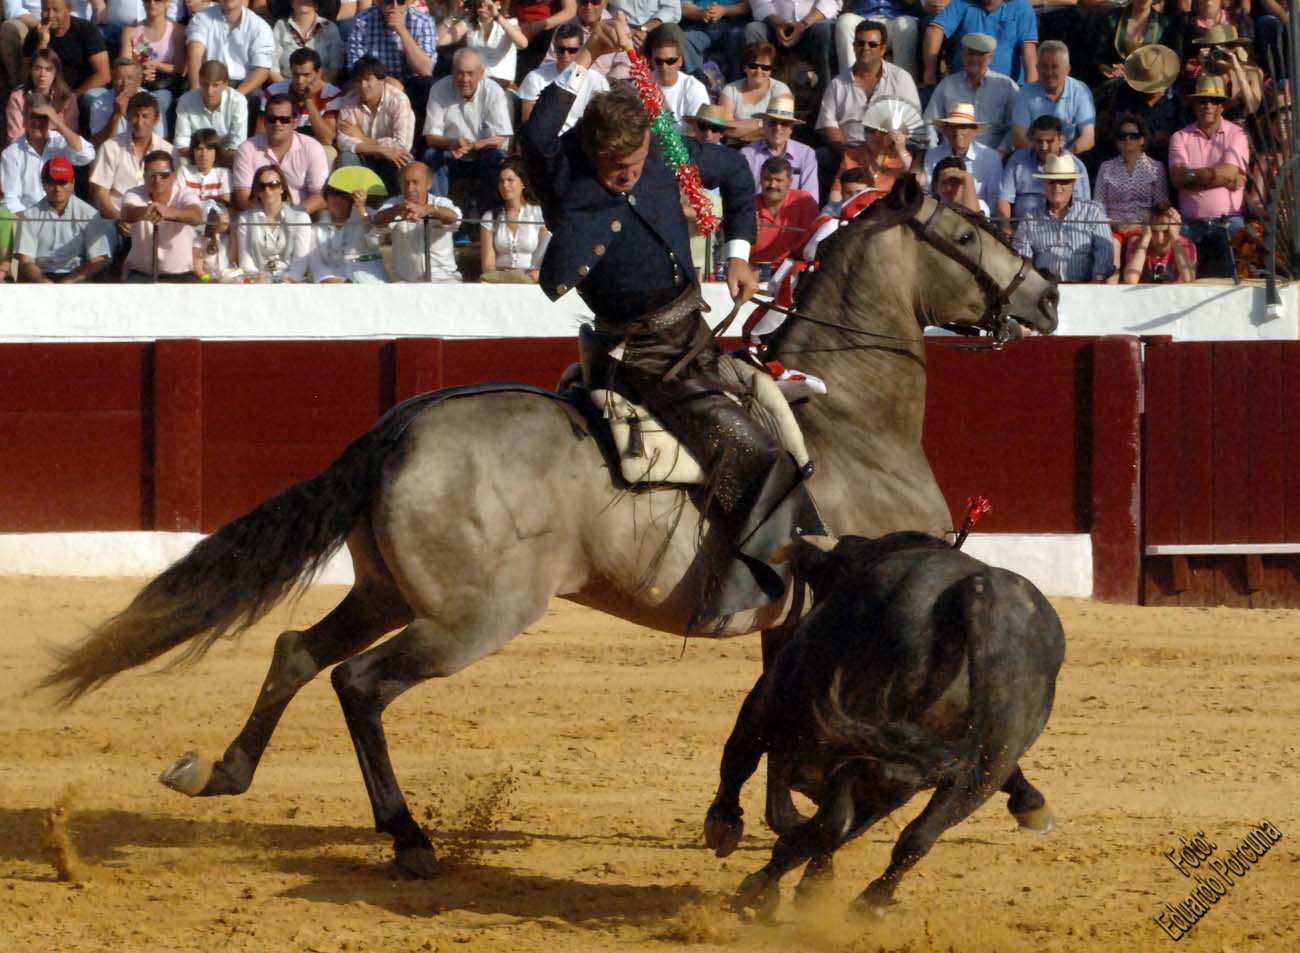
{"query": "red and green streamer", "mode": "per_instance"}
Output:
(664, 129)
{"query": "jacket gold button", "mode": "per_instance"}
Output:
(631, 200)
(561, 289)
(582, 271)
(616, 226)
(600, 250)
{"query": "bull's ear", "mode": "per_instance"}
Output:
(807, 554)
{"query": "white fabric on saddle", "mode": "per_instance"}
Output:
(660, 457)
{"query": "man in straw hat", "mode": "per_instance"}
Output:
(618, 235)
(1208, 160)
(1148, 92)
(1223, 53)
(960, 131)
(1065, 235)
(991, 94)
(1056, 93)
(778, 126)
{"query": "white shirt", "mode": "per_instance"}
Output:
(229, 119)
(248, 46)
(496, 49)
(345, 253)
(793, 11)
(845, 103)
(522, 248)
(208, 186)
(684, 98)
(483, 115)
(62, 243)
(589, 85)
(20, 168)
(277, 251)
(408, 243)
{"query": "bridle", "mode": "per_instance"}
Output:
(996, 319)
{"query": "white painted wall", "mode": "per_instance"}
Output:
(1197, 312)
(1060, 565)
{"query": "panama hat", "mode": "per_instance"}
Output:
(780, 109)
(1221, 34)
(1151, 68)
(1058, 168)
(709, 115)
(961, 114)
(1209, 87)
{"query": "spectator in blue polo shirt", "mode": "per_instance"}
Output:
(1011, 22)
(1058, 94)
(1020, 177)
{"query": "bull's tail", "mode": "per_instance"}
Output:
(983, 620)
(229, 580)
(902, 750)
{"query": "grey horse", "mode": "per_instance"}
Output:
(465, 514)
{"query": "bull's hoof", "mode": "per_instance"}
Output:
(873, 903)
(1041, 820)
(760, 893)
(815, 886)
(722, 834)
(189, 774)
(417, 862)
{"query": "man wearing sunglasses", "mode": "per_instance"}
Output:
(301, 158)
(119, 166)
(612, 66)
(804, 25)
(565, 47)
(164, 206)
(684, 94)
(619, 236)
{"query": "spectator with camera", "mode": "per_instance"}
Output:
(62, 239)
(1208, 163)
(403, 38)
(46, 137)
(1223, 53)
(991, 94)
(421, 224)
(1062, 233)
(214, 105)
(1056, 93)
(1159, 254)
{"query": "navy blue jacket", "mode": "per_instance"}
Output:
(585, 218)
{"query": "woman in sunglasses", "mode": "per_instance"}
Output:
(275, 239)
(744, 99)
(1132, 182)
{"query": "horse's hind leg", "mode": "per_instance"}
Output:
(367, 684)
(371, 609)
(1027, 804)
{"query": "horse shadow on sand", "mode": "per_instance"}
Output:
(111, 838)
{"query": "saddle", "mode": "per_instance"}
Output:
(649, 454)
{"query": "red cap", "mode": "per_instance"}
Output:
(59, 169)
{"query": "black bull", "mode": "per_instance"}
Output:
(918, 667)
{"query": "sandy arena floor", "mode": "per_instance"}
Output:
(565, 782)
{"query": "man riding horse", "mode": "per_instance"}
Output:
(619, 236)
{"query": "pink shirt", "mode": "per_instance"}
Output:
(117, 168)
(305, 166)
(175, 241)
(1191, 148)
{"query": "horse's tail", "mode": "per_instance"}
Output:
(229, 580)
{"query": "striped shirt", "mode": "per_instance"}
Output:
(1075, 248)
(391, 123)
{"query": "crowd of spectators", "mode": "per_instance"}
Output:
(155, 140)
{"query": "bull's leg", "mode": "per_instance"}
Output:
(872, 802)
(952, 802)
(365, 614)
(781, 814)
(819, 836)
(368, 683)
(1027, 804)
(723, 823)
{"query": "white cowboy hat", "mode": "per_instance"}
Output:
(961, 114)
(1058, 168)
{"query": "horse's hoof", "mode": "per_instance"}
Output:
(189, 774)
(1041, 820)
(721, 835)
(759, 893)
(417, 862)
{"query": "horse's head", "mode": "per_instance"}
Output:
(955, 245)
